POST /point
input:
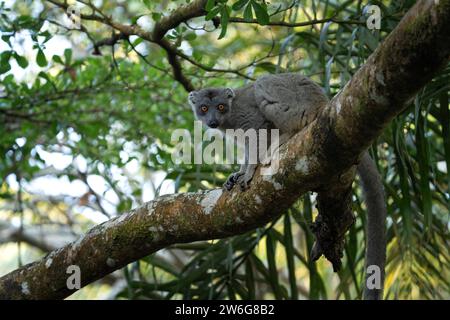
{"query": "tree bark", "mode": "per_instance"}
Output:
(312, 160)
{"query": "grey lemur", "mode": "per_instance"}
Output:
(289, 102)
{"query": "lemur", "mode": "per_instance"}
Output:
(288, 102)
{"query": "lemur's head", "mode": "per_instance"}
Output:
(211, 105)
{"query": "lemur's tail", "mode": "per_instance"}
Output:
(376, 218)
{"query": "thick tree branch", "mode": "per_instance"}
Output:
(181, 14)
(176, 65)
(409, 57)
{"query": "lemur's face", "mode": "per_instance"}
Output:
(212, 105)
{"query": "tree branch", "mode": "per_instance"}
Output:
(409, 57)
(171, 21)
(292, 24)
(46, 240)
(181, 14)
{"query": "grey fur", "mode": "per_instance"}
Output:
(289, 102)
(376, 217)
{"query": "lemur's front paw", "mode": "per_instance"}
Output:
(232, 180)
(244, 181)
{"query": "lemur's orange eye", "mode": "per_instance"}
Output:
(204, 109)
(221, 107)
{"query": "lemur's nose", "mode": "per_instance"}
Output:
(213, 124)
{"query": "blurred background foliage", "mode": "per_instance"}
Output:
(85, 135)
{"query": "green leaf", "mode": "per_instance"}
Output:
(248, 12)
(68, 55)
(161, 263)
(156, 16)
(4, 67)
(47, 36)
(40, 58)
(148, 3)
(210, 4)
(230, 259)
(273, 272)
(190, 36)
(4, 62)
(45, 76)
(25, 22)
(249, 278)
(198, 55)
(328, 75)
(21, 61)
(261, 14)
(211, 14)
(323, 35)
(289, 247)
(423, 159)
(444, 119)
(268, 66)
(137, 41)
(57, 59)
(224, 17)
(6, 38)
(239, 5)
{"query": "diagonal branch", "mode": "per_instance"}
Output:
(410, 56)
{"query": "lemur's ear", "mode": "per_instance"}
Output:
(191, 97)
(230, 93)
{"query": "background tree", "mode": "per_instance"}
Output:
(89, 113)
